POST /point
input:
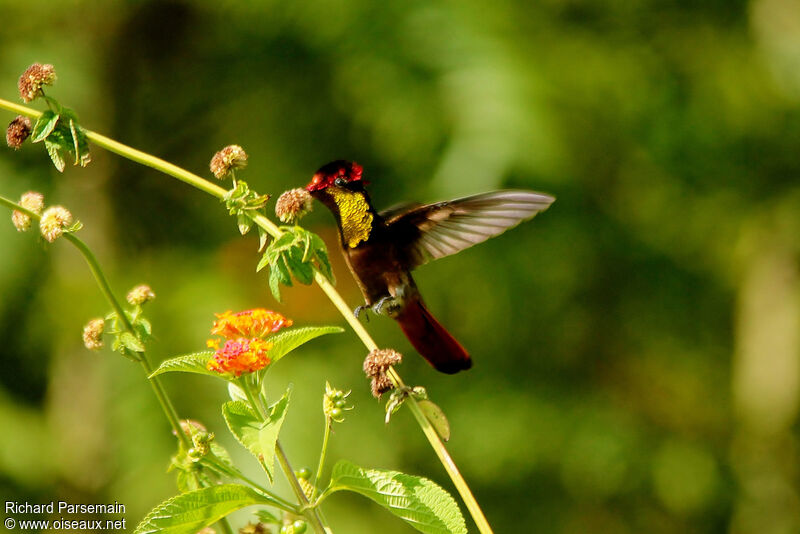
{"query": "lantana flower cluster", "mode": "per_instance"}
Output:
(241, 347)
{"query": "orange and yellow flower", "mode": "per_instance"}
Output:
(241, 355)
(243, 348)
(257, 322)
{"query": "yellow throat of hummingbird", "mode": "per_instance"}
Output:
(355, 218)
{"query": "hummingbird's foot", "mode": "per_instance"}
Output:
(388, 305)
(361, 309)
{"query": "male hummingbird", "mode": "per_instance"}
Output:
(381, 248)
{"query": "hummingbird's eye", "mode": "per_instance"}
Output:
(340, 182)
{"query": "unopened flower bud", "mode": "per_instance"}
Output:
(33, 79)
(190, 427)
(306, 486)
(139, 295)
(31, 201)
(329, 403)
(293, 204)
(18, 131)
(229, 158)
(54, 221)
(93, 334)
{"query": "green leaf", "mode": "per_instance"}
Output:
(144, 327)
(54, 150)
(188, 363)
(275, 283)
(289, 339)
(283, 242)
(436, 416)
(263, 262)
(301, 270)
(189, 512)
(44, 126)
(258, 437)
(80, 145)
(187, 481)
(131, 342)
(265, 516)
(420, 502)
(321, 254)
(283, 271)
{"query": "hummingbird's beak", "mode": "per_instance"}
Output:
(315, 183)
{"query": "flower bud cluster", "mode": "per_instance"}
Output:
(334, 403)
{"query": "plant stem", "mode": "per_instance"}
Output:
(105, 289)
(226, 527)
(309, 513)
(322, 454)
(262, 221)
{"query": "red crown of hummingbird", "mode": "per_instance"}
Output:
(350, 171)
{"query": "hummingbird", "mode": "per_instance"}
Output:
(382, 248)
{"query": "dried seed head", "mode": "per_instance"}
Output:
(33, 79)
(379, 360)
(380, 385)
(229, 158)
(31, 201)
(376, 364)
(254, 528)
(18, 131)
(293, 205)
(93, 334)
(53, 222)
(140, 294)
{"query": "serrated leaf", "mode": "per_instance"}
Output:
(283, 242)
(325, 265)
(54, 150)
(80, 144)
(131, 342)
(302, 271)
(434, 414)
(283, 271)
(258, 437)
(321, 254)
(189, 512)
(143, 325)
(236, 393)
(186, 481)
(263, 262)
(289, 339)
(188, 363)
(265, 516)
(275, 283)
(420, 502)
(44, 126)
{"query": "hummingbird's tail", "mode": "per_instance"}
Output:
(430, 338)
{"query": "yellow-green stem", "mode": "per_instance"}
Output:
(309, 513)
(262, 221)
(323, 453)
(105, 289)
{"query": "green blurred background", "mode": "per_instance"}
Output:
(636, 347)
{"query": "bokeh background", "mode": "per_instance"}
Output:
(636, 347)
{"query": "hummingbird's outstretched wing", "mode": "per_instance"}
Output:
(437, 230)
